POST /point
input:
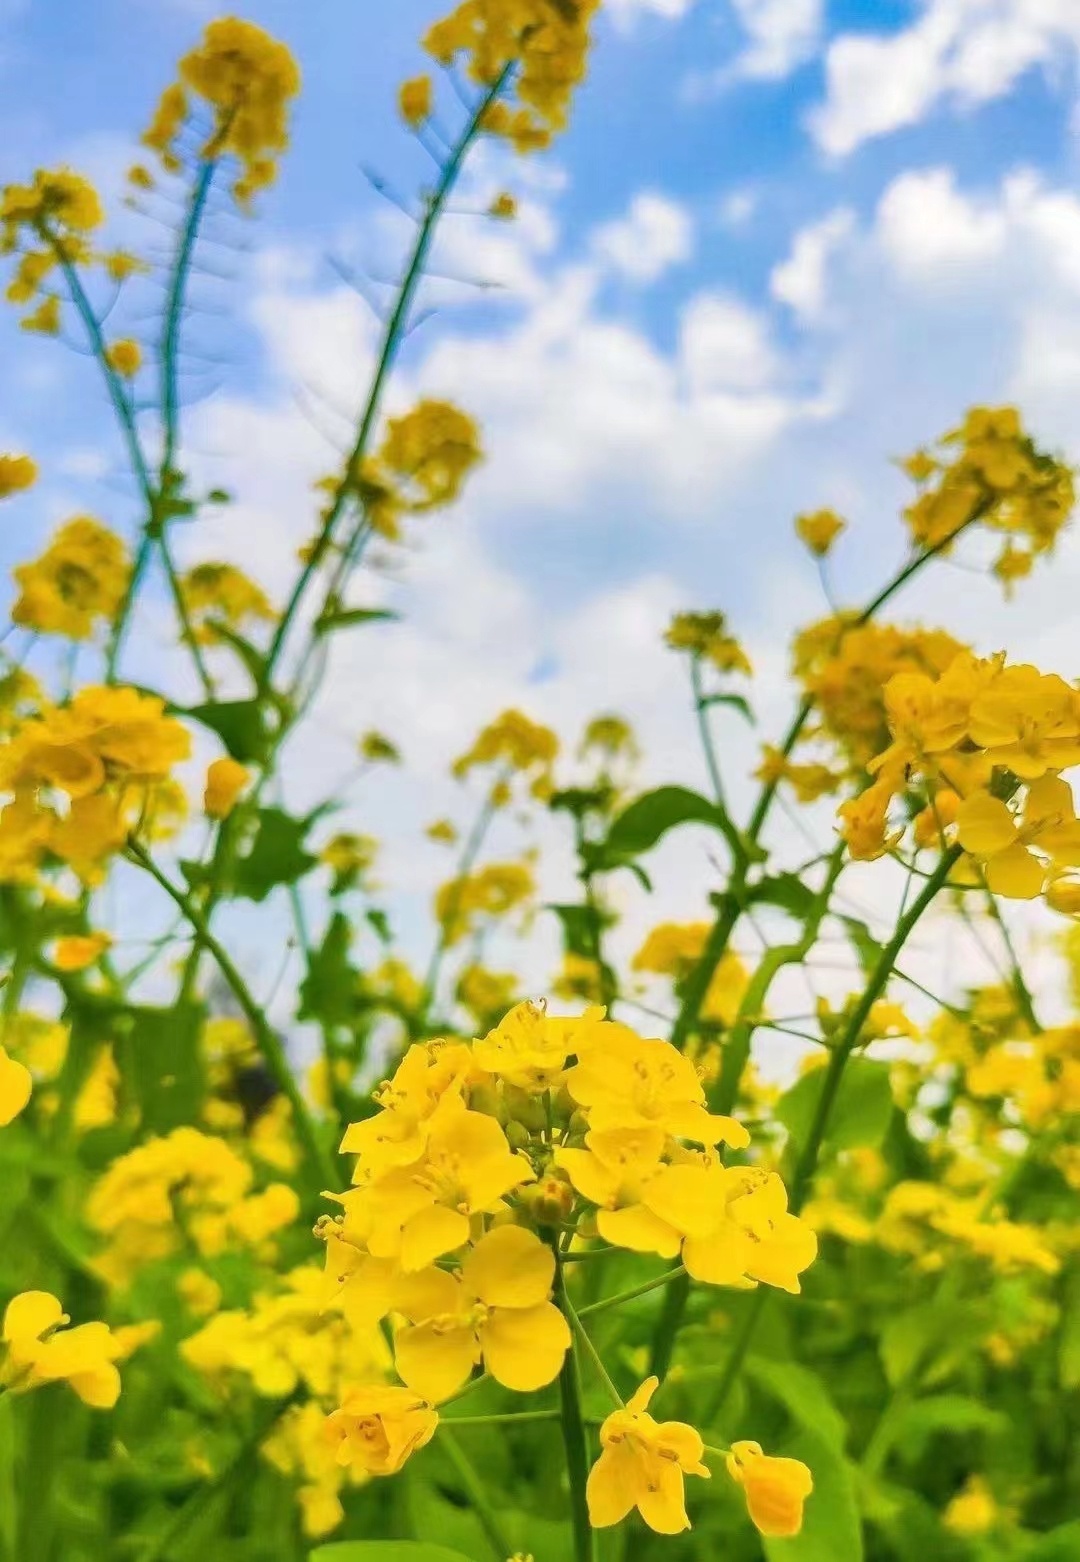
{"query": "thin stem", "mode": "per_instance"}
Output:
(268, 1042)
(590, 1350)
(701, 711)
(474, 1487)
(1020, 988)
(573, 1427)
(628, 1296)
(467, 861)
(510, 1418)
(393, 337)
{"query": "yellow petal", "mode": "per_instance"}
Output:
(723, 1258)
(434, 1359)
(611, 1487)
(510, 1267)
(99, 1388)
(15, 1087)
(984, 825)
(29, 1315)
(431, 1233)
(524, 1347)
(690, 1198)
(638, 1229)
(661, 1500)
(1016, 874)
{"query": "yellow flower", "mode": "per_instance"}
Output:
(528, 1048)
(735, 1224)
(39, 1349)
(77, 951)
(125, 356)
(973, 1510)
(642, 1465)
(220, 593)
(78, 582)
(819, 531)
(397, 1135)
(706, 635)
(615, 1172)
(414, 100)
(499, 1312)
(1063, 895)
(16, 473)
(775, 1489)
(16, 1084)
(442, 831)
(226, 778)
(504, 207)
(511, 740)
(45, 319)
(632, 1083)
(1007, 848)
(377, 749)
(378, 1426)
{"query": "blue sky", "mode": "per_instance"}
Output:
(783, 242)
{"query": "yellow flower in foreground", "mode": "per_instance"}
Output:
(15, 1085)
(16, 473)
(39, 1349)
(775, 1488)
(225, 780)
(641, 1465)
(379, 1426)
(500, 1310)
(819, 531)
(79, 950)
(1006, 846)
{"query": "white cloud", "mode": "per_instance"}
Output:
(800, 281)
(625, 11)
(958, 52)
(780, 35)
(655, 234)
(927, 226)
(725, 345)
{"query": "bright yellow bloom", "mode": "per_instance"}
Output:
(16, 1083)
(226, 778)
(705, 635)
(775, 1489)
(513, 741)
(492, 891)
(222, 594)
(641, 1465)
(125, 356)
(973, 1510)
(378, 1426)
(633, 1083)
(77, 583)
(615, 1172)
(414, 100)
(77, 951)
(397, 1135)
(819, 531)
(1007, 848)
(16, 473)
(40, 1349)
(735, 1223)
(45, 319)
(498, 1312)
(504, 207)
(529, 1047)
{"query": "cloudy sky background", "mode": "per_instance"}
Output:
(784, 242)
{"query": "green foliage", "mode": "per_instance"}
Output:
(861, 1112)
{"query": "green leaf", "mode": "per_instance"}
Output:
(737, 702)
(867, 947)
(787, 891)
(949, 1413)
(1057, 1545)
(802, 1394)
(581, 925)
(913, 1337)
(380, 924)
(861, 1110)
(345, 618)
(161, 1048)
(275, 856)
(831, 1526)
(329, 990)
(651, 816)
(253, 659)
(238, 723)
(385, 1551)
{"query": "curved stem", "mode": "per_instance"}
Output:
(485, 1513)
(393, 337)
(573, 1428)
(268, 1042)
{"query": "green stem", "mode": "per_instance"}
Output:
(489, 1519)
(268, 1042)
(573, 1428)
(511, 1418)
(393, 336)
(1021, 990)
(668, 1325)
(595, 1359)
(629, 1296)
(467, 861)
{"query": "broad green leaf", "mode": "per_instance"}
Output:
(913, 1336)
(580, 926)
(346, 618)
(1057, 1545)
(161, 1050)
(787, 891)
(860, 1113)
(328, 992)
(253, 659)
(386, 1551)
(380, 924)
(948, 1413)
(867, 947)
(737, 702)
(651, 816)
(276, 855)
(832, 1529)
(238, 723)
(802, 1394)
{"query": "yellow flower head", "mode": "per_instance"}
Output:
(226, 778)
(642, 1465)
(220, 593)
(76, 584)
(16, 1083)
(125, 356)
(819, 531)
(705, 635)
(16, 474)
(77, 951)
(415, 100)
(40, 1349)
(378, 1426)
(775, 1489)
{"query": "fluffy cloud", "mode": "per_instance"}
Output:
(626, 11)
(780, 34)
(655, 234)
(958, 52)
(801, 280)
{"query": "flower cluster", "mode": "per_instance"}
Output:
(76, 585)
(187, 1187)
(46, 223)
(990, 471)
(220, 595)
(82, 775)
(421, 465)
(478, 1155)
(674, 949)
(491, 892)
(706, 637)
(544, 42)
(247, 79)
(16, 474)
(985, 743)
(36, 1348)
(512, 745)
